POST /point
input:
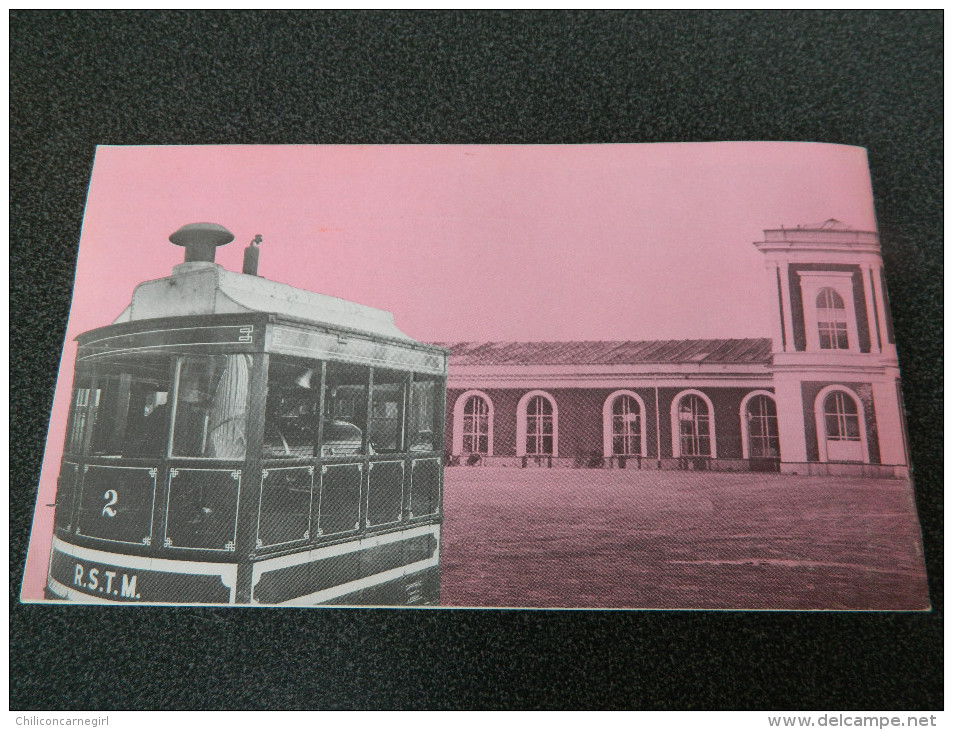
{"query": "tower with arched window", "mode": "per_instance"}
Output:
(836, 379)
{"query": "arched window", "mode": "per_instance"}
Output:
(536, 425)
(841, 421)
(539, 427)
(693, 429)
(623, 424)
(473, 424)
(759, 418)
(831, 320)
(476, 426)
(840, 425)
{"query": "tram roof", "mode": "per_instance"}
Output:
(205, 288)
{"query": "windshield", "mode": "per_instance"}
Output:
(120, 407)
(126, 406)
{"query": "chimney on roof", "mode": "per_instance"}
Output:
(200, 240)
(250, 264)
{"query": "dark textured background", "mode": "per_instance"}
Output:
(82, 79)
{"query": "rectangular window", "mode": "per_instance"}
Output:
(833, 427)
(851, 427)
(425, 418)
(291, 423)
(82, 416)
(475, 441)
(211, 406)
(388, 403)
(345, 409)
(842, 427)
(120, 407)
(833, 335)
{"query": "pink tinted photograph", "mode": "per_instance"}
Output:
(595, 377)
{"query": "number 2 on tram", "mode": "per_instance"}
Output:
(235, 440)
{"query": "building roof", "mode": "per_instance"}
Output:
(614, 352)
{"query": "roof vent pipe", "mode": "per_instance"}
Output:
(250, 264)
(200, 240)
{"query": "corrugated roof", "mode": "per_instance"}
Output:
(741, 351)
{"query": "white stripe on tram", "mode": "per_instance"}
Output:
(228, 572)
(286, 561)
(355, 585)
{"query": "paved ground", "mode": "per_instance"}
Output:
(580, 538)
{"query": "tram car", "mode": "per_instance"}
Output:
(234, 440)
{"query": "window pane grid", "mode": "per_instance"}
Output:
(539, 427)
(81, 416)
(762, 428)
(424, 420)
(841, 419)
(626, 427)
(831, 320)
(476, 426)
(694, 427)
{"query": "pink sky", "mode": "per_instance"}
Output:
(466, 242)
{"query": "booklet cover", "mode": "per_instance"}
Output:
(598, 376)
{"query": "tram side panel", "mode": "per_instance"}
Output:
(373, 490)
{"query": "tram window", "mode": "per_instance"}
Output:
(149, 423)
(345, 409)
(211, 406)
(388, 398)
(291, 410)
(82, 415)
(116, 408)
(423, 422)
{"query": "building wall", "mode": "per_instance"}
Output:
(801, 262)
(727, 418)
(580, 419)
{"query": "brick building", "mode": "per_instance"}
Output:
(821, 395)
